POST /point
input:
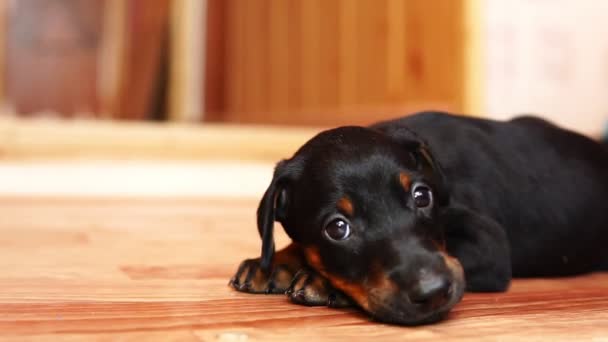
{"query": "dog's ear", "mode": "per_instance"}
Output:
(273, 207)
(428, 165)
(421, 155)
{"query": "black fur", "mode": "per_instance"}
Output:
(544, 186)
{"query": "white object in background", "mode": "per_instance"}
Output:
(548, 58)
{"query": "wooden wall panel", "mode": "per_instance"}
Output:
(214, 74)
(296, 55)
(328, 61)
(279, 55)
(347, 60)
(337, 61)
(146, 46)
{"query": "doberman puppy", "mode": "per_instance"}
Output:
(400, 218)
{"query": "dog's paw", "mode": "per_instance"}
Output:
(252, 279)
(308, 288)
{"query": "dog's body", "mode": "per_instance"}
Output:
(389, 216)
(546, 187)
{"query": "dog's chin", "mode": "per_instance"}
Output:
(409, 320)
(394, 312)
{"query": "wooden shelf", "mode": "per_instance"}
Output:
(23, 139)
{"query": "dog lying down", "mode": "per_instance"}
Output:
(401, 217)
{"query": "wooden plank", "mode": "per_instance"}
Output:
(215, 65)
(310, 41)
(348, 42)
(396, 57)
(371, 51)
(295, 56)
(112, 52)
(42, 139)
(187, 59)
(143, 269)
(146, 38)
(256, 65)
(278, 56)
(327, 82)
(236, 59)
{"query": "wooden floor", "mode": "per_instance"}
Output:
(157, 269)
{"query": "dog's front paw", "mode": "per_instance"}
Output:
(308, 288)
(252, 279)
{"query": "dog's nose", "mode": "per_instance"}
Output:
(432, 289)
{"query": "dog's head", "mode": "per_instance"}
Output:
(366, 210)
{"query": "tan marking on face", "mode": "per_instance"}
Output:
(290, 256)
(454, 265)
(378, 278)
(346, 205)
(377, 283)
(313, 258)
(440, 245)
(405, 181)
(355, 291)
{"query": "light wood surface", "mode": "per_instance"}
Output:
(139, 269)
(32, 139)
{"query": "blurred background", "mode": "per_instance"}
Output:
(253, 79)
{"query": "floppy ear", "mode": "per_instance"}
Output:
(273, 207)
(427, 164)
(421, 153)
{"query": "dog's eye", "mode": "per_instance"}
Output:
(337, 229)
(423, 197)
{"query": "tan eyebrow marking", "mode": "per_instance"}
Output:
(346, 205)
(405, 181)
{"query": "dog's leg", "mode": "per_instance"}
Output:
(310, 289)
(252, 279)
(482, 247)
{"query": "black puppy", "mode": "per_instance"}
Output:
(401, 217)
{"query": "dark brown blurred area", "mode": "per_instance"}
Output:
(52, 56)
(56, 57)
